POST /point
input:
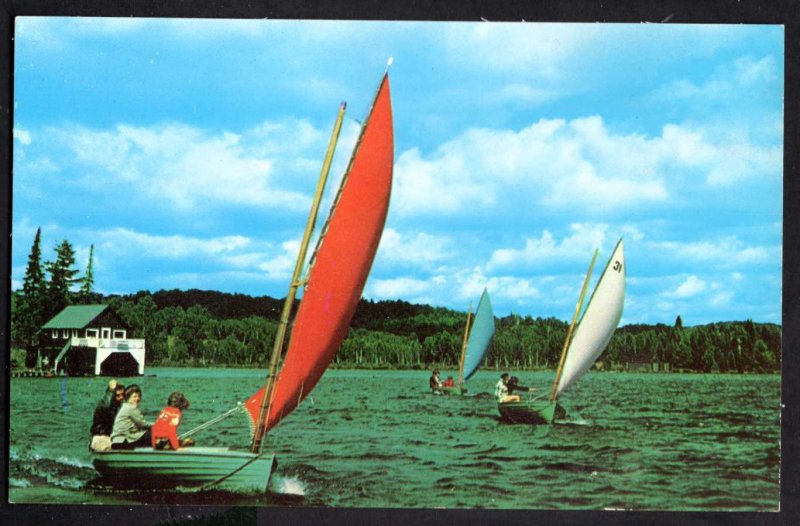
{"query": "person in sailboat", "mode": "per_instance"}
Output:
(104, 414)
(131, 430)
(501, 390)
(164, 433)
(435, 382)
(513, 385)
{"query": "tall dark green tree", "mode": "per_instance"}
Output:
(62, 278)
(86, 292)
(29, 315)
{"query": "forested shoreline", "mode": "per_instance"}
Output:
(202, 328)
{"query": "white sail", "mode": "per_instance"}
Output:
(598, 322)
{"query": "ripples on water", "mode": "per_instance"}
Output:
(378, 439)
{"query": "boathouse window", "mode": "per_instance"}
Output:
(55, 334)
(74, 333)
(65, 333)
(91, 333)
(106, 333)
(119, 335)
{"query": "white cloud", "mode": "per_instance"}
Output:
(518, 290)
(417, 248)
(238, 255)
(513, 47)
(690, 287)
(546, 250)
(281, 265)
(120, 241)
(21, 135)
(402, 287)
(731, 80)
(188, 167)
(456, 289)
(751, 71)
(552, 162)
(518, 93)
(434, 186)
(721, 299)
(724, 252)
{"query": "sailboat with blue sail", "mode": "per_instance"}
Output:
(477, 340)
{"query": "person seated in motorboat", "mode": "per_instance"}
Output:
(104, 414)
(435, 382)
(501, 391)
(131, 430)
(513, 385)
(164, 433)
(449, 382)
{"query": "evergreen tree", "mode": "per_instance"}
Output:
(86, 292)
(678, 322)
(29, 315)
(62, 278)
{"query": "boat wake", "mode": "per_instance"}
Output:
(287, 490)
(574, 422)
(33, 468)
(288, 486)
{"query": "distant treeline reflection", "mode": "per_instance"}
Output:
(205, 327)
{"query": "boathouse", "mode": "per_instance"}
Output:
(91, 340)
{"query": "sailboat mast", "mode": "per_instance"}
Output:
(464, 349)
(280, 336)
(572, 327)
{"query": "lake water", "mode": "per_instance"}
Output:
(379, 439)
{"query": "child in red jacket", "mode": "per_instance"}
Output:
(165, 431)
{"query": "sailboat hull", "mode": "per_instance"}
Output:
(190, 467)
(530, 412)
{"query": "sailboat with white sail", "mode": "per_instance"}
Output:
(332, 287)
(583, 345)
(477, 339)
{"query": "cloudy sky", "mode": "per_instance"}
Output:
(187, 152)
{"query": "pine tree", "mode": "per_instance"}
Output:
(29, 315)
(62, 278)
(85, 293)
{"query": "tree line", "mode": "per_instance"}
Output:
(191, 328)
(48, 287)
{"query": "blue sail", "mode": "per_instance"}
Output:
(480, 336)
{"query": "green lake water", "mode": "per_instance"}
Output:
(379, 439)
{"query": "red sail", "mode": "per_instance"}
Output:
(340, 267)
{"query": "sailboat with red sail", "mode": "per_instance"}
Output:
(332, 287)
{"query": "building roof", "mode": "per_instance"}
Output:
(75, 317)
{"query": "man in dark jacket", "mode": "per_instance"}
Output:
(104, 414)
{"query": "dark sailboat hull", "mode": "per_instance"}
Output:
(530, 412)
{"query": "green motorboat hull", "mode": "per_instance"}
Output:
(531, 412)
(189, 467)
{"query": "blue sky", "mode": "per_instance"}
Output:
(187, 152)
